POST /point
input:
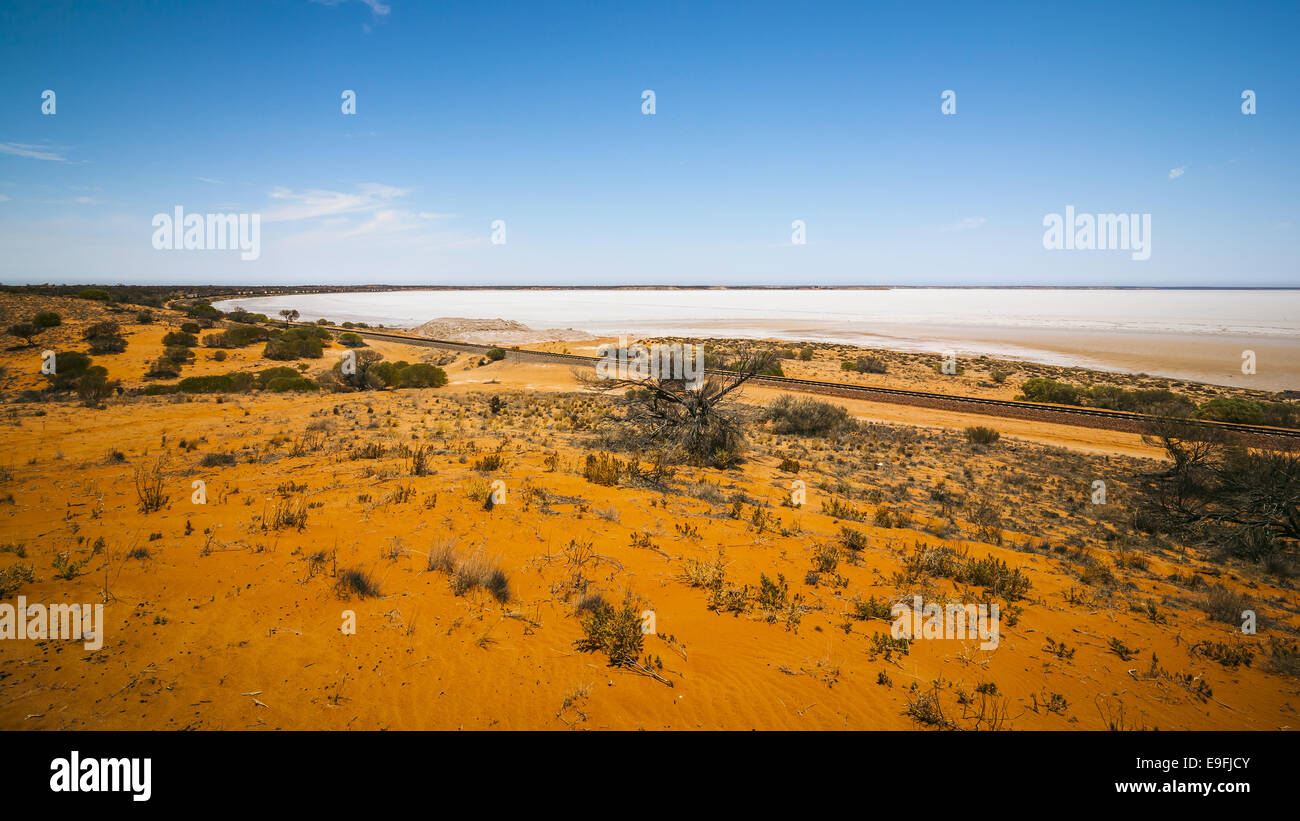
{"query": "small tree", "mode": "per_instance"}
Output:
(1239, 501)
(290, 315)
(25, 331)
(105, 337)
(94, 386)
(699, 425)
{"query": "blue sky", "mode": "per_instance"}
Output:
(766, 113)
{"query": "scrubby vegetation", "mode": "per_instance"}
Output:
(1230, 500)
(697, 424)
(808, 417)
(297, 343)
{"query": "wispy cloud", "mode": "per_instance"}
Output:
(387, 221)
(381, 9)
(209, 180)
(967, 224)
(372, 214)
(303, 205)
(1175, 173)
(35, 152)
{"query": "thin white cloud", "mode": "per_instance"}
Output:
(209, 180)
(381, 9)
(1175, 173)
(371, 215)
(35, 152)
(4, 197)
(967, 224)
(303, 205)
(385, 221)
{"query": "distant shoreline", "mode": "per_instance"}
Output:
(1192, 334)
(381, 288)
(225, 291)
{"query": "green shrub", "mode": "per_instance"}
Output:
(26, 331)
(872, 609)
(866, 364)
(104, 337)
(240, 315)
(615, 631)
(496, 354)
(47, 319)
(14, 577)
(178, 355)
(995, 576)
(278, 372)
(807, 417)
(294, 383)
(1153, 401)
(93, 385)
(181, 339)
(421, 375)
(68, 366)
(351, 340)
(215, 383)
(1158, 402)
(202, 310)
(1226, 409)
(405, 375)
(238, 336)
(163, 368)
(1050, 391)
(1281, 414)
(853, 539)
(97, 294)
(297, 343)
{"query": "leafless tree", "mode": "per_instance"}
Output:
(697, 422)
(1237, 500)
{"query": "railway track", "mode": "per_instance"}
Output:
(1060, 414)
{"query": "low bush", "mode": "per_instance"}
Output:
(807, 417)
(297, 384)
(980, 435)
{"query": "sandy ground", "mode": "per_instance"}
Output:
(218, 617)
